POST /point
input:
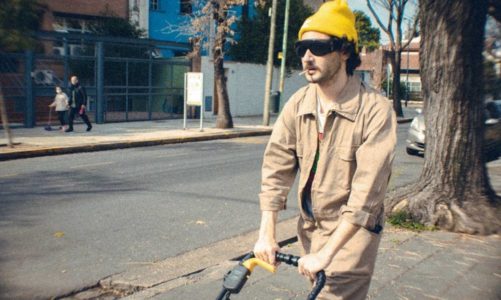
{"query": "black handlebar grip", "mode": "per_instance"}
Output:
(319, 285)
(293, 260)
(287, 258)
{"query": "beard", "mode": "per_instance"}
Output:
(322, 75)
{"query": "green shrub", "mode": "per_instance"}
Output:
(404, 220)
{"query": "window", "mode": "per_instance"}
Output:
(72, 25)
(185, 7)
(415, 86)
(154, 5)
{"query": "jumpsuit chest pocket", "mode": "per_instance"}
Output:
(344, 166)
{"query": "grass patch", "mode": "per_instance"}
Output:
(403, 219)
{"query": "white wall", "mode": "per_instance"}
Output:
(139, 13)
(246, 86)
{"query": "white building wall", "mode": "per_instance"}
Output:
(246, 86)
(139, 14)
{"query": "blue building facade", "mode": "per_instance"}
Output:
(163, 14)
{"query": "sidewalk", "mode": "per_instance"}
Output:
(427, 265)
(33, 142)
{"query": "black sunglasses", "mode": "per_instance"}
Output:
(318, 47)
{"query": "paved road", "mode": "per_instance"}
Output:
(68, 221)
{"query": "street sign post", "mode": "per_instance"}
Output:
(193, 94)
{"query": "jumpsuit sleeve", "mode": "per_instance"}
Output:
(374, 159)
(279, 162)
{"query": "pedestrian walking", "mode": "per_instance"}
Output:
(340, 135)
(61, 105)
(77, 102)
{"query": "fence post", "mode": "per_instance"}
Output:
(99, 83)
(66, 63)
(150, 82)
(29, 111)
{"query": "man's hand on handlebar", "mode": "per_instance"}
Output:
(265, 250)
(309, 265)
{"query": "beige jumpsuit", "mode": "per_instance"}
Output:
(352, 174)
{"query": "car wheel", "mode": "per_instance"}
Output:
(411, 151)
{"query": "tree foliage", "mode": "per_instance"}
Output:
(368, 36)
(112, 25)
(19, 19)
(253, 34)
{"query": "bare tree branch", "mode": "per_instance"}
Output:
(391, 17)
(378, 20)
(414, 30)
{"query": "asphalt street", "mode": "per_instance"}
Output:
(68, 221)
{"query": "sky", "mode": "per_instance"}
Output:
(410, 10)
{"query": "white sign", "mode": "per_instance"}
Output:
(194, 94)
(194, 83)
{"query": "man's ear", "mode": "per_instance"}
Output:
(345, 55)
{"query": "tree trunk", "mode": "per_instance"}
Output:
(195, 56)
(269, 66)
(196, 66)
(396, 61)
(224, 119)
(453, 191)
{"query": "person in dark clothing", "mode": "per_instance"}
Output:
(77, 101)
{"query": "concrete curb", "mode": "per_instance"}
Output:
(49, 151)
(128, 144)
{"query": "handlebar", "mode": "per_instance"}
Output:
(236, 278)
(293, 261)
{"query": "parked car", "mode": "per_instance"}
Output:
(492, 135)
(416, 136)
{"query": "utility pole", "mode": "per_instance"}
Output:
(284, 50)
(269, 66)
(407, 76)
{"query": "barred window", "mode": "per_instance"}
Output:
(185, 7)
(154, 5)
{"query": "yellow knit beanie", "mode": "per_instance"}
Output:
(333, 18)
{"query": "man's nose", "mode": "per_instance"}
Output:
(308, 56)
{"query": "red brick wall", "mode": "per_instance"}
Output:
(83, 7)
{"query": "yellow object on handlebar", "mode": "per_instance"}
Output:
(251, 263)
